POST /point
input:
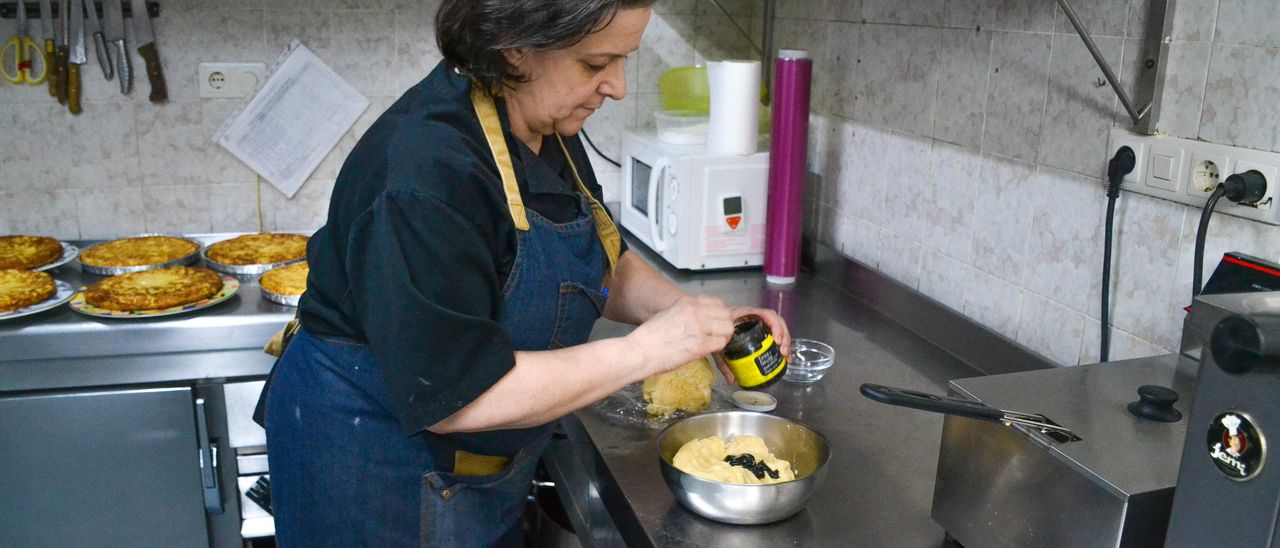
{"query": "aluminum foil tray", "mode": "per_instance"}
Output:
(117, 270)
(245, 269)
(287, 300)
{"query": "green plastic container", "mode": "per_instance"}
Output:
(685, 89)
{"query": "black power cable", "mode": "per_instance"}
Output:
(1241, 188)
(586, 137)
(1120, 165)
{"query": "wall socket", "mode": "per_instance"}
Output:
(223, 80)
(1186, 171)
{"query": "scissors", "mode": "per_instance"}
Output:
(17, 67)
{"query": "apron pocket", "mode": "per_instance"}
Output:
(478, 510)
(578, 310)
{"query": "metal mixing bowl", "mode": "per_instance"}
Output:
(806, 450)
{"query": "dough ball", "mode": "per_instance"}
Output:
(704, 458)
(687, 388)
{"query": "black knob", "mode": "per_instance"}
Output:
(1155, 403)
(1240, 343)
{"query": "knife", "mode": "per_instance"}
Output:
(75, 56)
(60, 57)
(94, 26)
(144, 37)
(46, 34)
(113, 31)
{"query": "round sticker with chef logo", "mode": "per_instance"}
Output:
(1236, 446)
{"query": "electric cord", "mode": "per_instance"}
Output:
(1201, 231)
(1120, 165)
(587, 138)
(1241, 188)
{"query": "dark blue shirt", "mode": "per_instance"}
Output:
(418, 243)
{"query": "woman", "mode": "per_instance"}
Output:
(455, 283)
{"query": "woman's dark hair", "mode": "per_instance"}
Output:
(472, 34)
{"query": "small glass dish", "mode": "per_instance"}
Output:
(810, 360)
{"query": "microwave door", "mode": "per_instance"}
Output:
(655, 206)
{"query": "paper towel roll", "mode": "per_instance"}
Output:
(735, 107)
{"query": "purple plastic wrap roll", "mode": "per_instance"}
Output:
(793, 70)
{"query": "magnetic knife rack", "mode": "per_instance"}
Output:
(9, 10)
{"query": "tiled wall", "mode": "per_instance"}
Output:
(957, 145)
(126, 166)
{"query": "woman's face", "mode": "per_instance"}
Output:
(566, 85)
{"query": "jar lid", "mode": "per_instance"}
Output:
(752, 400)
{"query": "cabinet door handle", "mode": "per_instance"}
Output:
(207, 455)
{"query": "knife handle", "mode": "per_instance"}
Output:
(104, 60)
(50, 56)
(159, 93)
(125, 67)
(60, 70)
(73, 88)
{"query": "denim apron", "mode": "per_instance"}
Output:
(342, 473)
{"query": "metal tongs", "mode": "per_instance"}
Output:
(961, 408)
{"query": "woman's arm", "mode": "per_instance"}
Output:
(546, 385)
(637, 291)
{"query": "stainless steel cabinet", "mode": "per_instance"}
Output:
(109, 468)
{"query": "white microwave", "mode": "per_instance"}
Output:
(696, 210)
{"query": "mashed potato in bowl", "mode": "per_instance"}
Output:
(716, 459)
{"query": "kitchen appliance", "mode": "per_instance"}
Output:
(1090, 464)
(1110, 485)
(1227, 494)
(696, 210)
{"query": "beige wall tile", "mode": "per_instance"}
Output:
(43, 213)
(111, 213)
(178, 209)
(1239, 108)
(1051, 329)
(1016, 95)
(1064, 255)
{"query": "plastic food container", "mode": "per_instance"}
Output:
(682, 127)
(810, 360)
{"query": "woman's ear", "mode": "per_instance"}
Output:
(516, 57)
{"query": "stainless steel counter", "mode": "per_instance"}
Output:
(882, 470)
(880, 485)
(61, 349)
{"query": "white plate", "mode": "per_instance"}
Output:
(230, 285)
(63, 294)
(69, 253)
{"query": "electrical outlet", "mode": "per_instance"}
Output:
(1187, 171)
(1207, 170)
(221, 80)
(1270, 172)
(1118, 140)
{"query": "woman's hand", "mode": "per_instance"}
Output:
(687, 330)
(776, 325)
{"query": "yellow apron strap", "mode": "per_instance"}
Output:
(605, 229)
(473, 465)
(492, 125)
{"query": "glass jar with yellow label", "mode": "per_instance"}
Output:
(753, 355)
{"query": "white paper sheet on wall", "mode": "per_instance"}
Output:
(296, 117)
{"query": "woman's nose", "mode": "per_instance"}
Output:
(614, 85)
